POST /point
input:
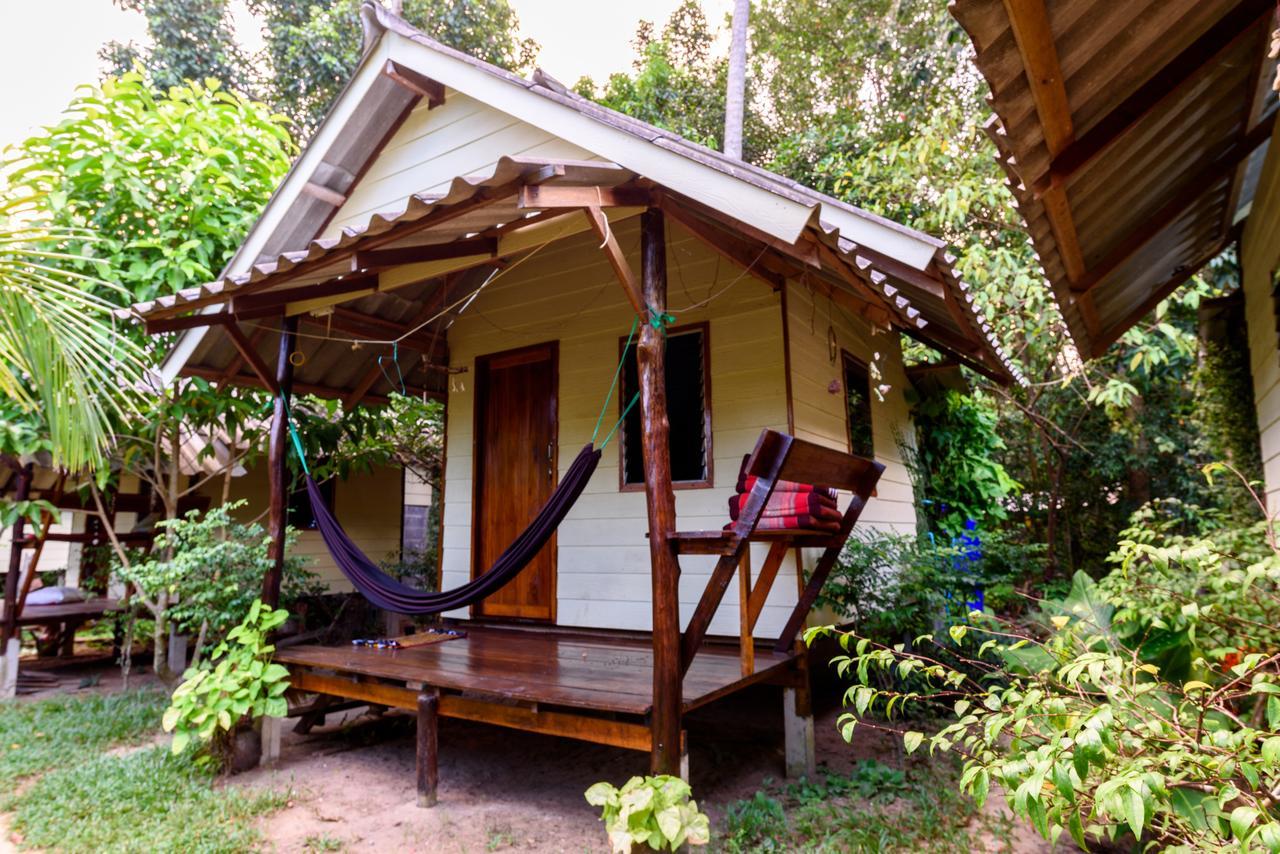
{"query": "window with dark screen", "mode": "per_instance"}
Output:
(688, 409)
(857, 395)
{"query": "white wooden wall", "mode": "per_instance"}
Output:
(461, 137)
(567, 293)
(1261, 257)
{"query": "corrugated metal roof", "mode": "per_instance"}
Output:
(909, 269)
(1141, 177)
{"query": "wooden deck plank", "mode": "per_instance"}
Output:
(598, 673)
(36, 615)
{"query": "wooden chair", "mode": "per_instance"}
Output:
(776, 457)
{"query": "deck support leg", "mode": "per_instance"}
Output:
(277, 464)
(9, 669)
(272, 731)
(797, 724)
(428, 749)
(668, 674)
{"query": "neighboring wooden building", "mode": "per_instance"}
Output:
(1138, 140)
(508, 235)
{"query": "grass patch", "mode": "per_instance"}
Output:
(148, 801)
(874, 808)
(62, 731)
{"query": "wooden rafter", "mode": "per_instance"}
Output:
(617, 258)
(249, 354)
(351, 286)
(419, 84)
(378, 259)
(324, 194)
(557, 196)
(255, 338)
(252, 381)
(730, 250)
(1204, 54)
(1029, 21)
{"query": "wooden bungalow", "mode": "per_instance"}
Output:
(511, 238)
(1138, 141)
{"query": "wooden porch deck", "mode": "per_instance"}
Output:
(595, 687)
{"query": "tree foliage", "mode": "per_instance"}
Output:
(167, 183)
(189, 40)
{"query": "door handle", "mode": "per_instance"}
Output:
(550, 471)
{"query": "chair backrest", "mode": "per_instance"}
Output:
(806, 462)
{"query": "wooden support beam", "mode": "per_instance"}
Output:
(379, 259)
(559, 196)
(630, 736)
(668, 675)
(1029, 21)
(191, 321)
(255, 338)
(9, 629)
(419, 84)
(768, 572)
(277, 466)
(324, 194)
(1205, 53)
(249, 353)
(279, 300)
(1189, 191)
(428, 747)
(729, 249)
(327, 392)
(618, 260)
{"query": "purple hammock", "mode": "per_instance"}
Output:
(392, 595)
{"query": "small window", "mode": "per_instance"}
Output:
(299, 515)
(857, 397)
(688, 410)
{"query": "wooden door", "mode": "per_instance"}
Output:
(515, 473)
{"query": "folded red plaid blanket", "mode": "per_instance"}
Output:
(789, 504)
(745, 483)
(803, 522)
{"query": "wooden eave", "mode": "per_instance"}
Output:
(1127, 131)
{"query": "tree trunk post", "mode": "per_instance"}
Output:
(277, 467)
(651, 359)
(428, 747)
(22, 491)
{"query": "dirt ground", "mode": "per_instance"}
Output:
(503, 790)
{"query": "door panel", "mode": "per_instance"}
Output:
(515, 473)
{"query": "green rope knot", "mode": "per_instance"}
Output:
(660, 320)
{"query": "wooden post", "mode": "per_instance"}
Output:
(661, 501)
(22, 491)
(428, 752)
(277, 468)
(746, 646)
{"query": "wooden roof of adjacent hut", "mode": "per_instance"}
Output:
(1132, 134)
(890, 273)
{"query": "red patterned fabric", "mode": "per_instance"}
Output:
(792, 506)
(789, 504)
(746, 483)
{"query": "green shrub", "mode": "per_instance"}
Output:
(238, 683)
(654, 811)
(1147, 705)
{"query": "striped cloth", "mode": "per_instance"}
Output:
(791, 506)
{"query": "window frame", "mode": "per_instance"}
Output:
(708, 481)
(848, 360)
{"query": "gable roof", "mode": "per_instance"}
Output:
(909, 270)
(1132, 134)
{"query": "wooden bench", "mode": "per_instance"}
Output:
(777, 456)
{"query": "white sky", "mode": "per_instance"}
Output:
(577, 36)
